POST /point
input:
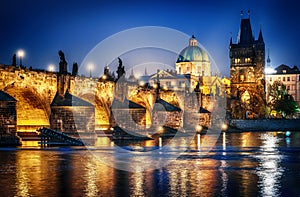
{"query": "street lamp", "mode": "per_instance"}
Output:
(90, 67)
(21, 54)
(51, 67)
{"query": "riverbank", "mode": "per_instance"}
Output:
(264, 125)
(9, 140)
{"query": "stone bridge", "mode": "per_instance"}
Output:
(35, 89)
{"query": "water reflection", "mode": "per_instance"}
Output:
(91, 188)
(32, 169)
(257, 165)
(269, 169)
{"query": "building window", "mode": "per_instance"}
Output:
(248, 60)
(270, 78)
(288, 87)
(242, 78)
(288, 78)
(283, 79)
(168, 83)
(283, 71)
(293, 87)
(237, 60)
(279, 78)
(293, 78)
(181, 83)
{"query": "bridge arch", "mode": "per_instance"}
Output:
(33, 109)
(102, 108)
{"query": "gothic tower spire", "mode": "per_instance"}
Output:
(260, 37)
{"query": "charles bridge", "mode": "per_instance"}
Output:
(34, 90)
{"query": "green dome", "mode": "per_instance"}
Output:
(193, 53)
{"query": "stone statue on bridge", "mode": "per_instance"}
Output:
(120, 70)
(75, 69)
(63, 69)
(14, 60)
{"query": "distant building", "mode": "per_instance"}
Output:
(290, 77)
(193, 65)
(247, 63)
(192, 74)
(193, 60)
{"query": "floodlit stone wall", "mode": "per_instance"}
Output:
(72, 119)
(8, 117)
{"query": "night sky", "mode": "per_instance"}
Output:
(42, 28)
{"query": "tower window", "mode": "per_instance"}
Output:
(283, 71)
(248, 60)
(237, 60)
(242, 78)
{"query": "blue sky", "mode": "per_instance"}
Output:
(42, 28)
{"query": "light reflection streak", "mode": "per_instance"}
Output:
(91, 177)
(269, 171)
(22, 183)
(224, 143)
(224, 177)
(137, 181)
(198, 141)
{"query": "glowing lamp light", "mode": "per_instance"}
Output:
(51, 68)
(160, 129)
(21, 54)
(224, 127)
(199, 128)
(104, 77)
(142, 83)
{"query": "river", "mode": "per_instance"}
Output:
(239, 164)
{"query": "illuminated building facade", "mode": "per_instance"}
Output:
(192, 66)
(290, 77)
(247, 63)
(193, 60)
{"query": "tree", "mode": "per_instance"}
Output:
(280, 100)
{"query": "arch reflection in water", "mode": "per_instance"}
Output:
(269, 171)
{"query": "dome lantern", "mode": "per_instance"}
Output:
(193, 41)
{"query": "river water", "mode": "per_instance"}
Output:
(239, 164)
